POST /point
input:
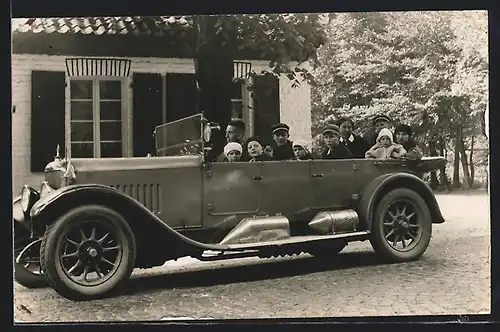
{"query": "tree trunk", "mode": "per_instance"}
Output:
(471, 162)
(456, 158)
(214, 75)
(463, 159)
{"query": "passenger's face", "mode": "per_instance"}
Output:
(346, 129)
(280, 137)
(331, 139)
(381, 124)
(234, 156)
(254, 149)
(402, 137)
(233, 134)
(299, 152)
(385, 141)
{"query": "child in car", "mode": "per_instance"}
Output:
(233, 152)
(334, 149)
(282, 146)
(403, 137)
(301, 150)
(256, 149)
(385, 148)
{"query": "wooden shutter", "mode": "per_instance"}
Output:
(147, 111)
(47, 117)
(181, 96)
(266, 103)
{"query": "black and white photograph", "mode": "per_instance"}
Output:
(242, 166)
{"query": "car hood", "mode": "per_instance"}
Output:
(137, 163)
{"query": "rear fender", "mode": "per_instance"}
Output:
(152, 234)
(376, 189)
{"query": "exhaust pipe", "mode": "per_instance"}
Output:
(259, 229)
(333, 222)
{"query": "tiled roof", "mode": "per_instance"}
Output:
(136, 25)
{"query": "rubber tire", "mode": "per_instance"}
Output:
(377, 238)
(51, 267)
(21, 275)
(328, 251)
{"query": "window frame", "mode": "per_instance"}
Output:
(96, 112)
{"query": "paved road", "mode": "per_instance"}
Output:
(453, 277)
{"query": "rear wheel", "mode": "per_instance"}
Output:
(88, 252)
(402, 226)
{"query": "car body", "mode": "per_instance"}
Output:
(178, 204)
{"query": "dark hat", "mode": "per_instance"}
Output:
(331, 128)
(344, 120)
(280, 126)
(253, 139)
(403, 128)
(237, 123)
(381, 117)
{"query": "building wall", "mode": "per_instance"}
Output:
(295, 103)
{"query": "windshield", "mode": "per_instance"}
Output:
(181, 137)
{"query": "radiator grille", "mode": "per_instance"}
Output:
(148, 195)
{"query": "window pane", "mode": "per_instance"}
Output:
(236, 90)
(81, 89)
(82, 150)
(111, 110)
(111, 150)
(110, 89)
(111, 131)
(81, 110)
(237, 111)
(82, 131)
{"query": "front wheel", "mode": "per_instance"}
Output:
(88, 252)
(402, 226)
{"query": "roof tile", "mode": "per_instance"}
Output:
(136, 25)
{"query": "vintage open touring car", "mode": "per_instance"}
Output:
(94, 220)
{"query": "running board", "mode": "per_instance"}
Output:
(352, 236)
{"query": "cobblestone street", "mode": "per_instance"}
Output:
(453, 277)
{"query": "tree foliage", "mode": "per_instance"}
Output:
(428, 69)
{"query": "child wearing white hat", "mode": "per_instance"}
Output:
(233, 151)
(385, 148)
(301, 149)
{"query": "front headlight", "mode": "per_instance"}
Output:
(29, 196)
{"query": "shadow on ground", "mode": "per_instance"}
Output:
(254, 271)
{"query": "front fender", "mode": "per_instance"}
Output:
(146, 225)
(374, 191)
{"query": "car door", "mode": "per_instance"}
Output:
(233, 188)
(331, 183)
(285, 188)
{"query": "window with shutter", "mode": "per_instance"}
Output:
(96, 118)
(47, 117)
(181, 96)
(266, 105)
(147, 111)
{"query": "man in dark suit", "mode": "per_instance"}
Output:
(235, 132)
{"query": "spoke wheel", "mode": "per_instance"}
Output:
(402, 226)
(88, 252)
(27, 269)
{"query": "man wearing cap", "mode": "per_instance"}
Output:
(333, 148)
(235, 132)
(379, 122)
(282, 146)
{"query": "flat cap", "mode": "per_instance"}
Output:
(381, 117)
(280, 126)
(331, 128)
